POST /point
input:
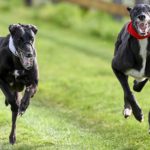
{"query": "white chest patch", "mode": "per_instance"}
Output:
(16, 73)
(139, 75)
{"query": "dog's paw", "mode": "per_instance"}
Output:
(22, 108)
(137, 112)
(137, 86)
(20, 112)
(12, 139)
(127, 112)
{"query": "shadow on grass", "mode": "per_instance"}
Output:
(112, 132)
(20, 146)
(27, 147)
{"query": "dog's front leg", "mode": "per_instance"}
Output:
(12, 99)
(12, 136)
(128, 96)
(29, 92)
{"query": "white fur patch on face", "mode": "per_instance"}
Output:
(12, 47)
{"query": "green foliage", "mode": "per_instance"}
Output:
(67, 15)
(101, 25)
(92, 22)
(5, 6)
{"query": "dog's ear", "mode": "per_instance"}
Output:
(129, 9)
(34, 28)
(13, 27)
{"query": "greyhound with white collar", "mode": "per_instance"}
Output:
(132, 57)
(18, 69)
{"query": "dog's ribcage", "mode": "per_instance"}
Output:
(140, 74)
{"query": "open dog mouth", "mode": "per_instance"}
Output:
(143, 28)
(27, 62)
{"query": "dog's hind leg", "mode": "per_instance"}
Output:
(128, 96)
(138, 86)
(6, 91)
(12, 136)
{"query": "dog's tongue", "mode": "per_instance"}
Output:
(142, 26)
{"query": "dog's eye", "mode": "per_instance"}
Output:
(21, 39)
(32, 39)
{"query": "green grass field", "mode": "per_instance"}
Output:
(79, 101)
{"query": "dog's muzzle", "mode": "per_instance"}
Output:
(142, 24)
(27, 62)
(27, 59)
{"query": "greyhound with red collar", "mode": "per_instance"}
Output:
(18, 69)
(132, 57)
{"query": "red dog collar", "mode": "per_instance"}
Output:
(133, 32)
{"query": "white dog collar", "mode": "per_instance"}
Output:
(12, 47)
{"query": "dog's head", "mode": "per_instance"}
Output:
(140, 16)
(22, 40)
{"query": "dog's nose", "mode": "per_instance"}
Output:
(29, 55)
(142, 17)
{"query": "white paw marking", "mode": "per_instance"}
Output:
(127, 112)
(142, 118)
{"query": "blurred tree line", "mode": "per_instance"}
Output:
(142, 1)
(74, 17)
(116, 16)
(136, 1)
(30, 2)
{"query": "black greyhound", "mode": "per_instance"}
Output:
(18, 69)
(132, 57)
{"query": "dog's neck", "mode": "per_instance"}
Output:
(12, 47)
(134, 33)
